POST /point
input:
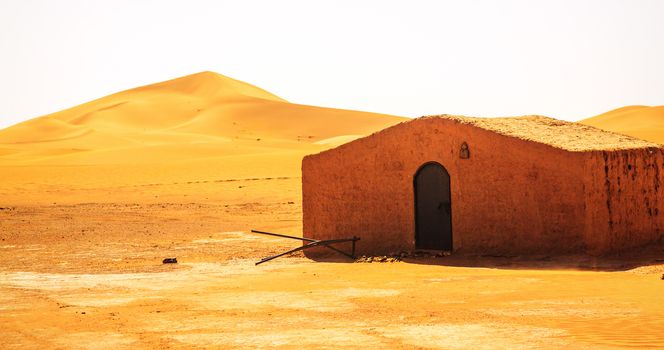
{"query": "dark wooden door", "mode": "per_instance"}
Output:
(433, 208)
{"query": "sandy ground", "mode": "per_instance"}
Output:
(85, 274)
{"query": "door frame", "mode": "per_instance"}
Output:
(415, 200)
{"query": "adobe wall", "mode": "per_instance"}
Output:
(511, 197)
(625, 199)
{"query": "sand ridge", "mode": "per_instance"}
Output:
(644, 122)
(198, 116)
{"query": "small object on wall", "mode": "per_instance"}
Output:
(170, 261)
(464, 153)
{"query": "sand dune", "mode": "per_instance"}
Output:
(197, 116)
(644, 122)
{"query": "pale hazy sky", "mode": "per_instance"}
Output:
(565, 59)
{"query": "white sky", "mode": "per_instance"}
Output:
(564, 59)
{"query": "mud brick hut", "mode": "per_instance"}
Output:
(518, 186)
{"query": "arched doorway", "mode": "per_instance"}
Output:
(433, 208)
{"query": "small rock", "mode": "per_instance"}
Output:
(170, 261)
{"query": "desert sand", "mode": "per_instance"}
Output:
(644, 122)
(94, 197)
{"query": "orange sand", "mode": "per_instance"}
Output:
(203, 127)
(93, 198)
(203, 116)
(644, 122)
(89, 275)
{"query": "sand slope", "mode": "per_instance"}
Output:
(193, 117)
(644, 122)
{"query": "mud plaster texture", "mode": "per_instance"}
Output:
(532, 186)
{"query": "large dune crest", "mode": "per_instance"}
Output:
(197, 116)
(209, 84)
(644, 122)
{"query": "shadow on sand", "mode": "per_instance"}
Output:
(616, 262)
